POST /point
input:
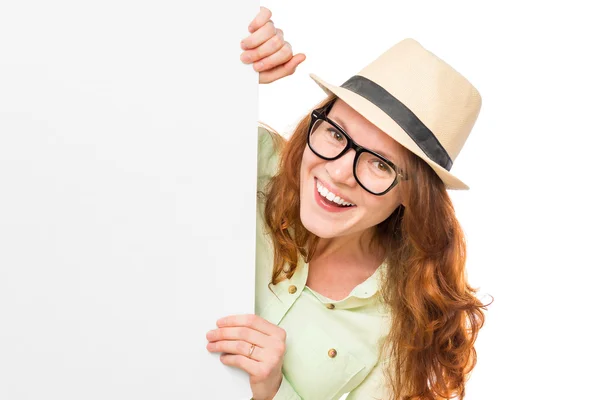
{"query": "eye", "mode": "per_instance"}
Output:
(383, 167)
(336, 135)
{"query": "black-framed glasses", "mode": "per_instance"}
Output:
(373, 172)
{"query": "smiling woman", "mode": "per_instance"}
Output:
(369, 181)
(360, 260)
(332, 335)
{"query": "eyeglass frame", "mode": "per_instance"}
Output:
(321, 113)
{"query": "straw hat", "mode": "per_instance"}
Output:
(419, 100)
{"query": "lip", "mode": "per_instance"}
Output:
(333, 191)
(327, 206)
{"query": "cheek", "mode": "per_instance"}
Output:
(309, 162)
(305, 167)
(395, 198)
(381, 208)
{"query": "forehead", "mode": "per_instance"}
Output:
(363, 132)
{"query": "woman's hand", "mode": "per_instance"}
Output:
(272, 56)
(235, 336)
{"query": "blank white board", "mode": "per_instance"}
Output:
(127, 196)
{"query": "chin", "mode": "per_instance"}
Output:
(316, 226)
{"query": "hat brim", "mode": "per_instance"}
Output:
(384, 122)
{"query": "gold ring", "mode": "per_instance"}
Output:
(251, 350)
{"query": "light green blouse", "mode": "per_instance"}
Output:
(331, 346)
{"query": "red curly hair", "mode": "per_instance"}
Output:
(435, 315)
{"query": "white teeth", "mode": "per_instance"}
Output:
(330, 196)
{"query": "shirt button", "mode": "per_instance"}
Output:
(332, 353)
(330, 306)
(292, 289)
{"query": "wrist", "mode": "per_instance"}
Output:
(275, 390)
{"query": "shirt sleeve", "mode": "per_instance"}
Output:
(268, 157)
(374, 387)
(286, 391)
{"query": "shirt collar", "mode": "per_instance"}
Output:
(363, 290)
(371, 285)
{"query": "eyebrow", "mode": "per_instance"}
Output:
(383, 153)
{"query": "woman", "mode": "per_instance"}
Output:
(360, 280)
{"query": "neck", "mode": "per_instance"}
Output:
(356, 247)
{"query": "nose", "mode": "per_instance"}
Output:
(341, 170)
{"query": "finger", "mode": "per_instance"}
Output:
(252, 321)
(244, 363)
(257, 38)
(271, 46)
(237, 347)
(239, 333)
(283, 70)
(282, 56)
(261, 18)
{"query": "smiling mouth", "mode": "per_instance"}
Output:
(331, 199)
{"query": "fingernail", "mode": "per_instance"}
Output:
(243, 45)
(246, 57)
(259, 65)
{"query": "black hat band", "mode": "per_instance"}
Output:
(403, 116)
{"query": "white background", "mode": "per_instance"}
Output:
(531, 215)
(123, 190)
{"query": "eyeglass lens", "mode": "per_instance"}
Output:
(373, 172)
